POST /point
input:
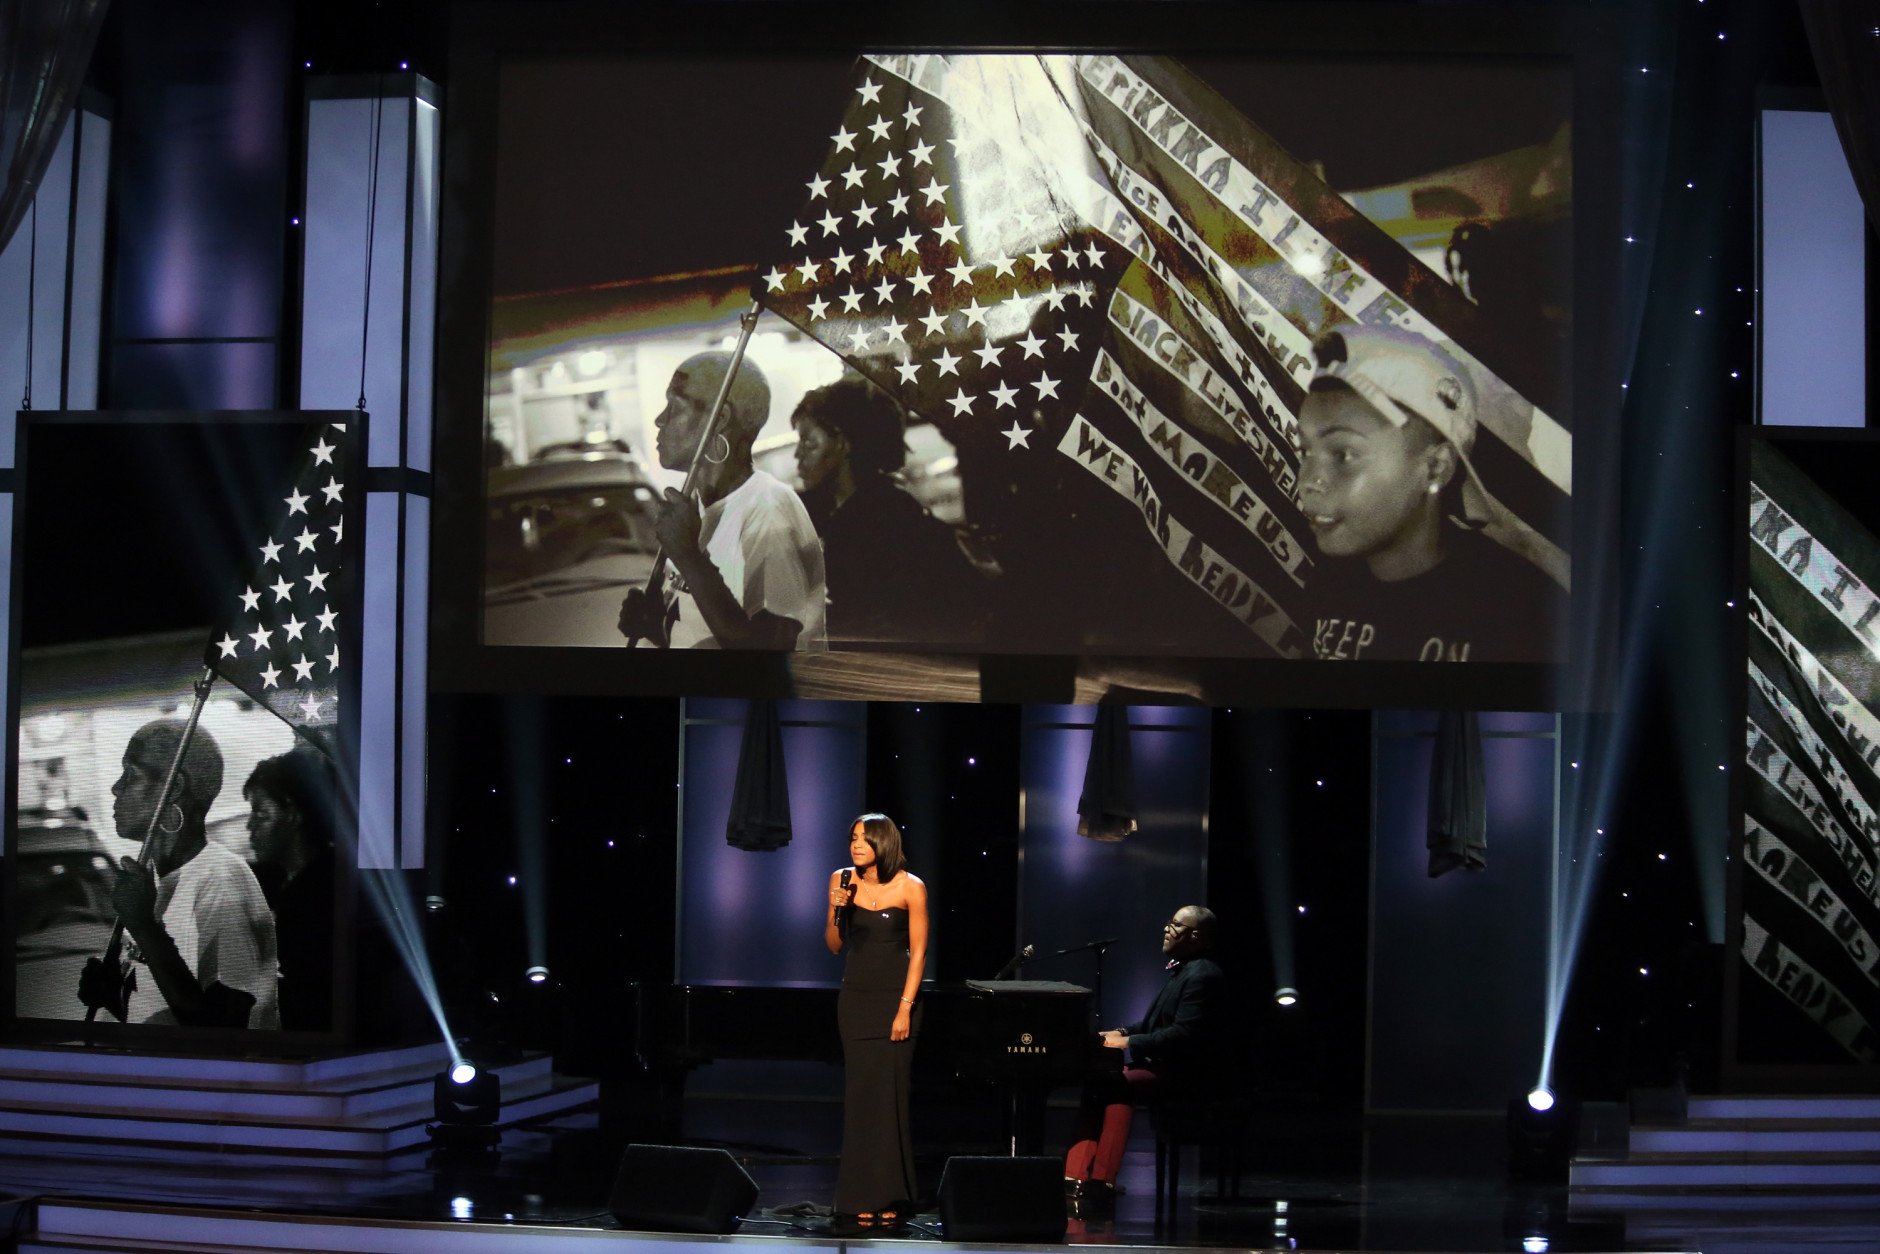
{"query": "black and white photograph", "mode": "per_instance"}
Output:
(181, 810)
(1078, 355)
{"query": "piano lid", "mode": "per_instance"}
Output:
(1059, 988)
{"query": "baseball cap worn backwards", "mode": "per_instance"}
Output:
(1400, 373)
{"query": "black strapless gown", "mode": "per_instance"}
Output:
(877, 1140)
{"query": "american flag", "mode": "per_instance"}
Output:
(1098, 256)
(281, 645)
(944, 265)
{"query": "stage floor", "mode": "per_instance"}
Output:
(1312, 1183)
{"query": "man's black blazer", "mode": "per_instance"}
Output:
(1186, 1022)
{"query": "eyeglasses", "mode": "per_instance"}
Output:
(1173, 926)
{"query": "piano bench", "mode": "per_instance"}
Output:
(1216, 1123)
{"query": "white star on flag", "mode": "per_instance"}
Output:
(274, 610)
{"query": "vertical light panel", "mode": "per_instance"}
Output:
(1460, 963)
(412, 706)
(369, 291)
(84, 280)
(54, 265)
(422, 284)
(1074, 890)
(1812, 246)
(378, 685)
(757, 917)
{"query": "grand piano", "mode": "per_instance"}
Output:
(1023, 1038)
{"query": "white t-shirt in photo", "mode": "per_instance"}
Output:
(213, 908)
(762, 541)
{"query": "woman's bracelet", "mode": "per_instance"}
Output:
(908, 1000)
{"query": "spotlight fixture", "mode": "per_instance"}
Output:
(467, 1101)
(536, 975)
(1540, 1135)
(1286, 996)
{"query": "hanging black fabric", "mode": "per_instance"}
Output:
(45, 47)
(760, 799)
(1458, 827)
(1847, 58)
(1107, 808)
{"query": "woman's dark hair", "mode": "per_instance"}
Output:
(302, 779)
(885, 839)
(864, 415)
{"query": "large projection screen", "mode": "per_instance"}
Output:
(1185, 368)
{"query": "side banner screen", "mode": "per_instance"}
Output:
(1809, 979)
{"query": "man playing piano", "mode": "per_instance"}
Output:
(1174, 1048)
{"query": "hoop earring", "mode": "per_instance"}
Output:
(719, 461)
(166, 830)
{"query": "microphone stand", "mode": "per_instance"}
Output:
(1098, 947)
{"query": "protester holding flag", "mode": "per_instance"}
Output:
(1387, 425)
(896, 573)
(203, 931)
(746, 566)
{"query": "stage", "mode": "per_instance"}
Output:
(1312, 1182)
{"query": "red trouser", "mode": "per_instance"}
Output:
(1103, 1121)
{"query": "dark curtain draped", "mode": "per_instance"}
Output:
(1458, 829)
(1842, 35)
(1107, 808)
(45, 46)
(760, 799)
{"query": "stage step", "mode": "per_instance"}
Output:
(1800, 1145)
(361, 1105)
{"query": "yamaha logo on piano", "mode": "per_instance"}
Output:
(1025, 1046)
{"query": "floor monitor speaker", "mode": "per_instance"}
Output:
(674, 1188)
(1019, 1200)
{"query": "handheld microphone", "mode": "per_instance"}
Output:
(842, 912)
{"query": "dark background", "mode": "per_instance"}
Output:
(621, 169)
(131, 529)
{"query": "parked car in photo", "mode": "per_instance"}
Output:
(567, 534)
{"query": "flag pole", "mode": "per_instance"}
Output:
(145, 853)
(747, 323)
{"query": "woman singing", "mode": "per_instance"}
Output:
(881, 914)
